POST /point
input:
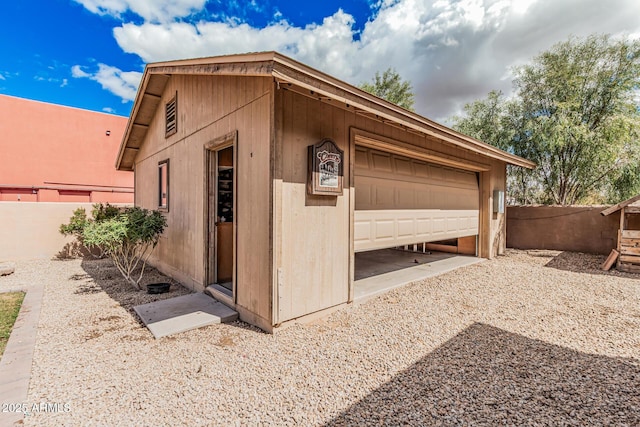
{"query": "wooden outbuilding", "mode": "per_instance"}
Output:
(627, 257)
(273, 175)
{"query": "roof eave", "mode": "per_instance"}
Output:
(287, 69)
(136, 106)
(620, 205)
(391, 111)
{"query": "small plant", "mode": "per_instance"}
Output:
(79, 221)
(127, 236)
(76, 224)
(102, 212)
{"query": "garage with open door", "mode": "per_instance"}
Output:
(327, 178)
(401, 201)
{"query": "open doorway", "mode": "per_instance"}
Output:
(224, 218)
(220, 217)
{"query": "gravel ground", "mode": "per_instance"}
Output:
(530, 338)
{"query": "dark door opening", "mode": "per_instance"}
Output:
(220, 218)
(224, 218)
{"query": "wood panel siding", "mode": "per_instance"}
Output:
(294, 252)
(253, 214)
(313, 240)
(210, 107)
(314, 235)
(492, 237)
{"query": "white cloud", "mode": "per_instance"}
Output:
(46, 78)
(521, 6)
(326, 45)
(121, 83)
(453, 51)
(150, 10)
(2, 77)
(109, 110)
(76, 71)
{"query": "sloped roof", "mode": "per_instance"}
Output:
(635, 201)
(294, 76)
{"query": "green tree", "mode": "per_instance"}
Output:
(575, 113)
(626, 184)
(391, 87)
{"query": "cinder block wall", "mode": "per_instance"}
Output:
(564, 228)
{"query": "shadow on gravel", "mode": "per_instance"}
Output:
(102, 275)
(584, 263)
(488, 376)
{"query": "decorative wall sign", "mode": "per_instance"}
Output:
(325, 168)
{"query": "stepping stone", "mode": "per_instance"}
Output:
(183, 313)
(7, 268)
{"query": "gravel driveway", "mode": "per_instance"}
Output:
(530, 338)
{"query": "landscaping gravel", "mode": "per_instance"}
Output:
(530, 338)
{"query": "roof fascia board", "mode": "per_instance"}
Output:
(227, 59)
(379, 142)
(287, 69)
(256, 69)
(390, 112)
(132, 117)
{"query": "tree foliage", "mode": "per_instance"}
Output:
(127, 236)
(79, 221)
(575, 112)
(76, 224)
(391, 87)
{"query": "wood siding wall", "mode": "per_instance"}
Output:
(312, 244)
(294, 251)
(493, 226)
(208, 108)
(312, 239)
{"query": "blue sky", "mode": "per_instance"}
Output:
(90, 53)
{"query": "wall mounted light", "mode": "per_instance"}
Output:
(108, 132)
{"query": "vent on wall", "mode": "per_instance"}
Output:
(171, 114)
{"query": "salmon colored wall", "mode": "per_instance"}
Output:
(53, 153)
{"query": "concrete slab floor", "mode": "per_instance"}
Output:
(379, 271)
(183, 313)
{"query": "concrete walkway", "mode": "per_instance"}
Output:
(15, 366)
(179, 314)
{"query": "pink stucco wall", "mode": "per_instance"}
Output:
(53, 153)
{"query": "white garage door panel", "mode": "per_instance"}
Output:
(402, 201)
(374, 193)
(384, 229)
(388, 228)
